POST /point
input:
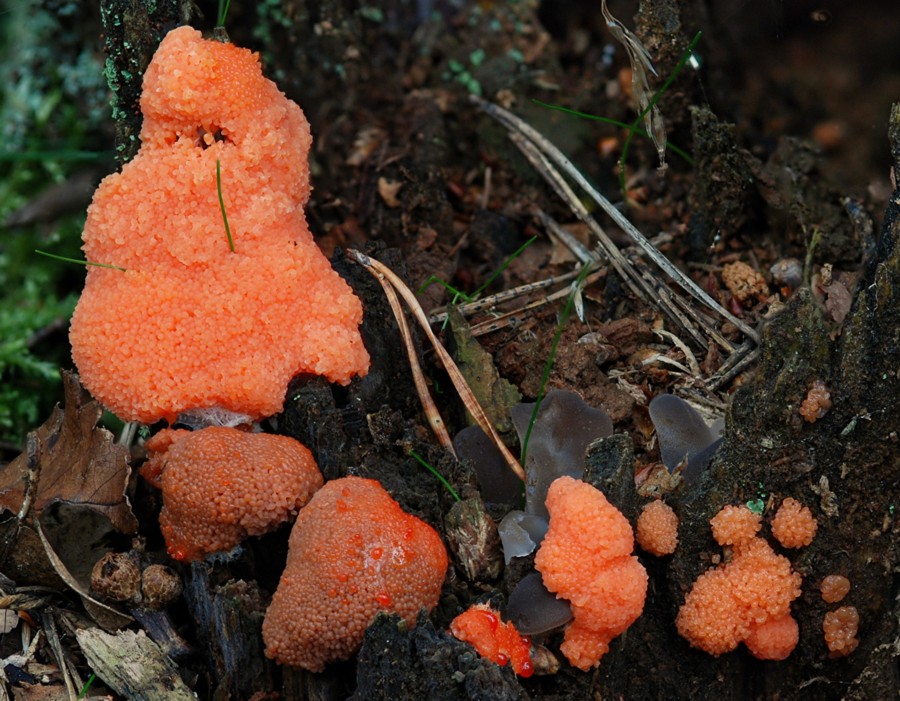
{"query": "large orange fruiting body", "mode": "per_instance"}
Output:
(220, 485)
(586, 558)
(353, 552)
(191, 324)
(746, 600)
(496, 640)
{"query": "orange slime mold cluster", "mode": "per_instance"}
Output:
(840, 628)
(746, 600)
(657, 529)
(794, 526)
(353, 552)
(191, 324)
(586, 558)
(834, 588)
(500, 642)
(220, 485)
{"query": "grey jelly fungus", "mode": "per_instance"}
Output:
(683, 435)
(534, 609)
(564, 428)
(521, 533)
(499, 484)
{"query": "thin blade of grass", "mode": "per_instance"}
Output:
(78, 262)
(680, 152)
(424, 463)
(548, 366)
(222, 204)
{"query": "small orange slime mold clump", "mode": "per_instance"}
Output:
(586, 558)
(834, 588)
(191, 324)
(352, 553)
(500, 642)
(794, 526)
(840, 628)
(657, 529)
(221, 485)
(746, 600)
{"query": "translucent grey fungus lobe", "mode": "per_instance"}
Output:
(498, 483)
(520, 533)
(534, 609)
(564, 428)
(683, 435)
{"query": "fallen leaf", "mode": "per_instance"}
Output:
(495, 394)
(70, 459)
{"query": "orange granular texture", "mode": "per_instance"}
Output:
(353, 552)
(500, 642)
(743, 598)
(775, 639)
(657, 529)
(794, 526)
(586, 558)
(834, 588)
(221, 485)
(840, 628)
(191, 324)
(735, 525)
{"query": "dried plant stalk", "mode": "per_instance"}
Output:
(382, 272)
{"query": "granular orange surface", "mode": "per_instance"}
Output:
(794, 526)
(775, 639)
(500, 642)
(220, 485)
(353, 552)
(735, 525)
(191, 324)
(586, 558)
(744, 598)
(657, 529)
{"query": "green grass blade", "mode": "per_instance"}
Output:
(222, 204)
(78, 262)
(681, 153)
(223, 12)
(548, 366)
(658, 94)
(434, 472)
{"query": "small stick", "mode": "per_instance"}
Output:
(439, 314)
(513, 123)
(498, 322)
(456, 377)
(428, 405)
(683, 347)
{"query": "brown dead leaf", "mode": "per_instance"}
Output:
(70, 459)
